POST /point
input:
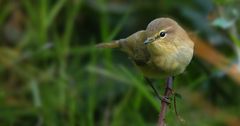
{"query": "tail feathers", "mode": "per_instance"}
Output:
(114, 44)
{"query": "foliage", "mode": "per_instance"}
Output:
(51, 73)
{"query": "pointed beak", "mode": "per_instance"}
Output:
(148, 40)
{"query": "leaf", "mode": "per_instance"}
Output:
(223, 23)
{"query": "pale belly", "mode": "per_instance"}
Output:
(161, 67)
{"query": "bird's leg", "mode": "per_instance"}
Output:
(175, 95)
(162, 98)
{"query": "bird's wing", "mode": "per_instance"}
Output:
(135, 48)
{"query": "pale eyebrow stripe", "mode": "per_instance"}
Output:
(165, 30)
(156, 36)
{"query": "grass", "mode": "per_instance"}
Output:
(53, 75)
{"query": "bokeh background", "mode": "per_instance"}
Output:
(51, 73)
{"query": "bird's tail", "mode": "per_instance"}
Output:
(113, 44)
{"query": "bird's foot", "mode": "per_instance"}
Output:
(165, 99)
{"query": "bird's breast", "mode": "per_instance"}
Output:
(169, 59)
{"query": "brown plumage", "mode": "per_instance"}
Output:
(163, 49)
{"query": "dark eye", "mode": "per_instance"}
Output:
(162, 34)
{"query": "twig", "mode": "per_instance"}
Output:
(168, 92)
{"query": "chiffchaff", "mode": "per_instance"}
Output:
(163, 49)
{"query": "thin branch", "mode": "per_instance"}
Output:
(168, 92)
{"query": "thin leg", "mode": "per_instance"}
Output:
(165, 99)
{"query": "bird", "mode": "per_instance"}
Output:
(163, 49)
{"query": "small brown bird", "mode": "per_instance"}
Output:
(162, 50)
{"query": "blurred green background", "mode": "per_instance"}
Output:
(51, 74)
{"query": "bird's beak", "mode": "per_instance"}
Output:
(148, 40)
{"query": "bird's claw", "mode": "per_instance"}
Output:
(165, 99)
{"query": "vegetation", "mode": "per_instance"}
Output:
(52, 74)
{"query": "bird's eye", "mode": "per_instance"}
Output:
(162, 34)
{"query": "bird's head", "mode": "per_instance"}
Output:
(164, 35)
